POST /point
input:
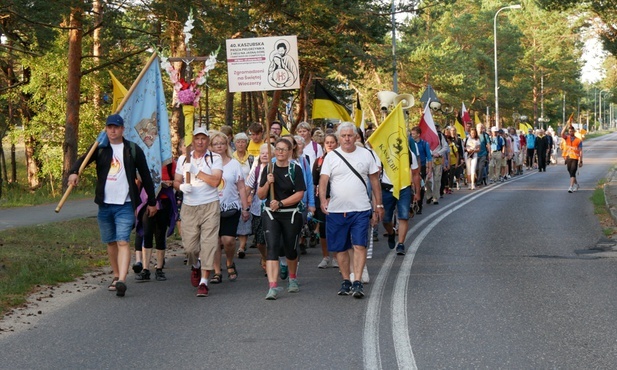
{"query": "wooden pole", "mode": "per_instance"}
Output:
(96, 143)
(267, 140)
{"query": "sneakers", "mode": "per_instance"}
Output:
(334, 262)
(391, 241)
(284, 272)
(357, 290)
(345, 288)
(273, 293)
(120, 289)
(195, 276)
(365, 278)
(400, 249)
(144, 275)
(159, 275)
(570, 189)
(293, 286)
(325, 263)
(435, 202)
(137, 267)
(202, 290)
(575, 187)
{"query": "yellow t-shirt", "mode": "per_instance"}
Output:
(253, 148)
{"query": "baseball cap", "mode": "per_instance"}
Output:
(494, 129)
(201, 130)
(115, 119)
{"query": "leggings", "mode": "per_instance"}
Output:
(572, 165)
(530, 153)
(281, 226)
(155, 228)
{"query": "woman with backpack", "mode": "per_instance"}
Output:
(280, 216)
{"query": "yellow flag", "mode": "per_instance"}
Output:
(358, 114)
(476, 118)
(389, 142)
(284, 130)
(460, 130)
(119, 92)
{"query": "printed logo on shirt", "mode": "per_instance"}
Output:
(114, 170)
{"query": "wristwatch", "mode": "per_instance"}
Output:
(379, 206)
(281, 205)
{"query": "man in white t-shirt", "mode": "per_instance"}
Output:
(348, 210)
(401, 204)
(117, 195)
(198, 176)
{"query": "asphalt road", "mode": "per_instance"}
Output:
(501, 278)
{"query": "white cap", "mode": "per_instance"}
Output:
(494, 129)
(201, 130)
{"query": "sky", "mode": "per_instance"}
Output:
(593, 57)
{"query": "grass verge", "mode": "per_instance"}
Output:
(601, 211)
(46, 255)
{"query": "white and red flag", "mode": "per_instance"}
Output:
(427, 126)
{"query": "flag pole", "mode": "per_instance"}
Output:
(267, 140)
(96, 143)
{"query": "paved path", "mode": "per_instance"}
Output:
(36, 215)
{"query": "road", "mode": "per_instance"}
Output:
(501, 277)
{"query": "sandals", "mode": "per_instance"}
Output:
(233, 275)
(112, 286)
(216, 279)
(241, 253)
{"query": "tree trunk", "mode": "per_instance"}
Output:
(32, 166)
(97, 9)
(307, 78)
(71, 132)
(243, 112)
(274, 104)
(229, 108)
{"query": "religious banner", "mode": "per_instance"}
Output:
(263, 64)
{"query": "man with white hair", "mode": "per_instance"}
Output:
(349, 212)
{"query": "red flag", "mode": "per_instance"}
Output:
(427, 126)
(465, 114)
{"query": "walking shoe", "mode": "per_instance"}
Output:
(293, 286)
(435, 202)
(575, 187)
(284, 272)
(357, 290)
(325, 263)
(365, 278)
(137, 267)
(120, 289)
(159, 275)
(345, 288)
(334, 262)
(570, 189)
(391, 241)
(195, 276)
(144, 275)
(202, 290)
(273, 293)
(400, 249)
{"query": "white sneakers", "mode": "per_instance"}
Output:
(573, 188)
(365, 279)
(327, 262)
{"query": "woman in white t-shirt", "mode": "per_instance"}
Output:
(234, 205)
(472, 147)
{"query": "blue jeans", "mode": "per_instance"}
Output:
(116, 222)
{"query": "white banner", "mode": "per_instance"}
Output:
(263, 64)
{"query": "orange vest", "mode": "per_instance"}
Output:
(571, 147)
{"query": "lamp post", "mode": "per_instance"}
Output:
(516, 6)
(600, 110)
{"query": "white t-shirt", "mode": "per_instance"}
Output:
(117, 185)
(347, 192)
(414, 166)
(309, 150)
(228, 190)
(251, 183)
(202, 193)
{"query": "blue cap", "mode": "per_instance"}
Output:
(116, 120)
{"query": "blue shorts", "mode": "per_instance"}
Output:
(116, 222)
(344, 230)
(402, 204)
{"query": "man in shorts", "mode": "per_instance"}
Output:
(349, 212)
(117, 195)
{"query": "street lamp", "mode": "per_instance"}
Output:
(516, 6)
(600, 110)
